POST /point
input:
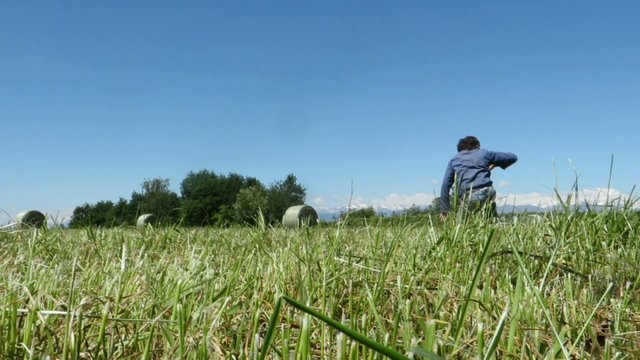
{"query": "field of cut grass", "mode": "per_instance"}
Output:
(563, 286)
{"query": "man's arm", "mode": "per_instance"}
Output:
(447, 182)
(502, 159)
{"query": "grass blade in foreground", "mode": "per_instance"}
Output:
(462, 311)
(543, 305)
(593, 313)
(496, 337)
(425, 354)
(335, 325)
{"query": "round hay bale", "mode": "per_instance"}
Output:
(300, 215)
(146, 219)
(31, 218)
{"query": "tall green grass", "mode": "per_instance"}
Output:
(564, 286)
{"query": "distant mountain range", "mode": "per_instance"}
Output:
(329, 214)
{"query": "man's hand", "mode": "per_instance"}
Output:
(492, 166)
(443, 216)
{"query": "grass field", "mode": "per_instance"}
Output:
(563, 286)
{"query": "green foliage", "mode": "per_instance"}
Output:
(102, 213)
(199, 200)
(156, 198)
(207, 199)
(124, 212)
(249, 202)
(359, 217)
(282, 195)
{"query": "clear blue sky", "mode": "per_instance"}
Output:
(95, 97)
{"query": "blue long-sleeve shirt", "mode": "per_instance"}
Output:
(471, 169)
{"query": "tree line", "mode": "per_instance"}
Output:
(205, 199)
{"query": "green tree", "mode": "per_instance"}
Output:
(281, 195)
(81, 216)
(208, 199)
(228, 188)
(197, 197)
(123, 213)
(250, 201)
(100, 214)
(156, 198)
(359, 216)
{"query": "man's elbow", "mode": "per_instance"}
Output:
(510, 160)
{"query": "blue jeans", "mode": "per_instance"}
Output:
(475, 200)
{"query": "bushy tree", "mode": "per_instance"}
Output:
(124, 212)
(281, 195)
(359, 216)
(100, 214)
(81, 216)
(208, 198)
(156, 198)
(250, 201)
(198, 191)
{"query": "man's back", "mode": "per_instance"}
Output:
(472, 170)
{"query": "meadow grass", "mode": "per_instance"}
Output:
(565, 285)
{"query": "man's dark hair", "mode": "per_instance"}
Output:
(468, 143)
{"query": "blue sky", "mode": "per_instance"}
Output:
(97, 97)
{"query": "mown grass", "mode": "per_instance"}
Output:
(563, 286)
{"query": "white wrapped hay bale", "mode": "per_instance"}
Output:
(31, 218)
(146, 219)
(300, 215)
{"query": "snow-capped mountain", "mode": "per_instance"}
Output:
(329, 214)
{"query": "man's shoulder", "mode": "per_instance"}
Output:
(471, 153)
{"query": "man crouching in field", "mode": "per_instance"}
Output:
(470, 171)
